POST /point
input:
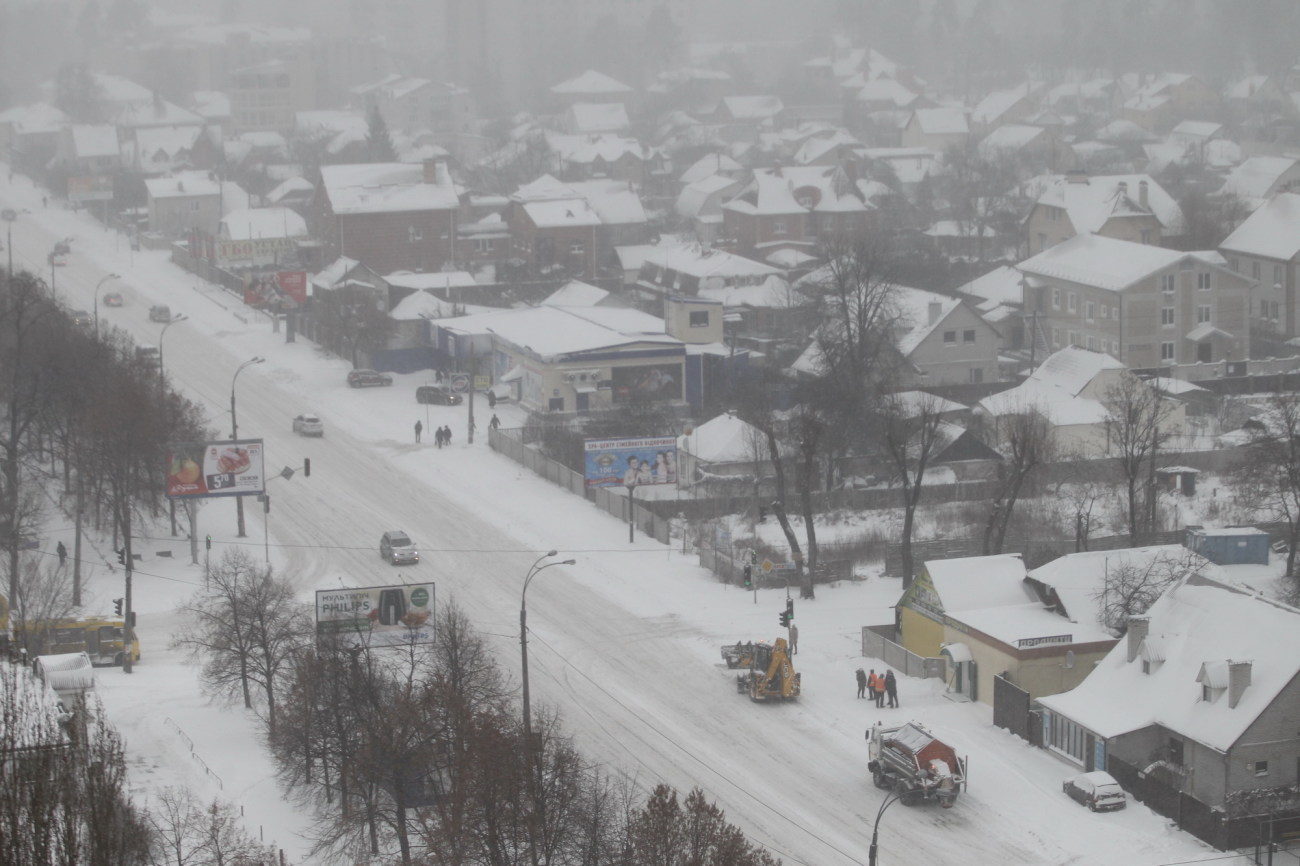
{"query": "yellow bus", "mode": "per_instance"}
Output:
(103, 638)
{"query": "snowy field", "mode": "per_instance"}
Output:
(625, 644)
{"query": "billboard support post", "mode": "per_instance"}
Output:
(631, 513)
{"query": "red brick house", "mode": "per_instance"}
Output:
(388, 216)
(553, 227)
(792, 207)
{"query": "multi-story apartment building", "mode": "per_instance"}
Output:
(1145, 305)
(1266, 248)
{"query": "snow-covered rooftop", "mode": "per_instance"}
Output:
(1002, 285)
(267, 222)
(385, 187)
(549, 331)
(976, 582)
(595, 117)
(94, 141)
(1269, 232)
(431, 280)
(1104, 262)
(725, 439)
(591, 81)
(576, 293)
(183, 183)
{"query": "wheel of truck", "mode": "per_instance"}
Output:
(879, 778)
(905, 794)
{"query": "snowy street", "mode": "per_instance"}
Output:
(624, 644)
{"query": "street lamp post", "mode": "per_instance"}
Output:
(234, 432)
(890, 800)
(631, 512)
(535, 569)
(97, 285)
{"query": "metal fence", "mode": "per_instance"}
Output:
(876, 645)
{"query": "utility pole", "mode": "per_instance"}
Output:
(469, 399)
(128, 624)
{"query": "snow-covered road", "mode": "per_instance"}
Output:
(624, 644)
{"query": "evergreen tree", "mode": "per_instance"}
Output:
(379, 144)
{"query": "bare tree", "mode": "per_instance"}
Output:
(1136, 426)
(1132, 584)
(189, 833)
(1025, 442)
(1267, 477)
(910, 437)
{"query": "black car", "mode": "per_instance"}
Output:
(368, 379)
(437, 395)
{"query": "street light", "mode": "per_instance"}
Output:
(535, 569)
(97, 285)
(890, 799)
(234, 430)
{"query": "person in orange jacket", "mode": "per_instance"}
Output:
(877, 685)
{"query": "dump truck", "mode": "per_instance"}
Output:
(913, 764)
(771, 674)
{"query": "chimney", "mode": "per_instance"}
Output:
(430, 171)
(1138, 626)
(776, 170)
(1142, 194)
(1238, 680)
(935, 309)
(1122, 189)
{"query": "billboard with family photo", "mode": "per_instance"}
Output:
(626, 462)
(376, 615)
(655, 382)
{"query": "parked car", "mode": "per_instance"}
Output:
(1097, 790)
(113, 299)
(437, 395)
(160, 313)
(368, 379)
(82, 319)
(308, 425)
(398, 548)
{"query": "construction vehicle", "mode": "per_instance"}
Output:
(913, 764)
(771, 674)
(738, 655)
(102, 638)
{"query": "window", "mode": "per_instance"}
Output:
(1148, 236)
(1056, 338)
(1167, 351)
(1261, 768)
(949, 338)
(575, 248)
(1056, 299)
(699, 318)
(1104, 310)
(1092, 344)
(1202, 313)
(968, 336)
(1203, 281)
(1277, 275)
(778, 227)
(1254, 270)
(1234, 263)
(1166, 317)
(413, 234)
(1167, 284)
(1114, 313)
(1072, 302)
(1091, 311)
(1074, 338)
(483, 245)
(976, 375)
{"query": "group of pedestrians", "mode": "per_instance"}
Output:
(441, 436)
(879, 686)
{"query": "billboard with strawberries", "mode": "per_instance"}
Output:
(229, 468)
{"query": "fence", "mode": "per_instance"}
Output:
(876, 645)
(1011, 710)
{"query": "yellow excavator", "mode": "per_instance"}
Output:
(771, 674)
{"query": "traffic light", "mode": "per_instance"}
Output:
(306, 467)
(753, 557)
(121, 556)
(117, 606)
(208, 542)
(784, 618)
(749, 576)
(789, 610)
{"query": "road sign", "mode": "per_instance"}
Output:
(460, 383)
(767, 566)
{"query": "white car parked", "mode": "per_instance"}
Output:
(308, 425)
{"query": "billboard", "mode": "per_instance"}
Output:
(274, 289)
(620, 462)
(83, 188)
(229, 468)
(653, 382)
(376, 615)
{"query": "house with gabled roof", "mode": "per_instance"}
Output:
(580, 157)
(1258, 178)
(1163, 100)
(592, 87)
(701, 203)
(184, 202)
(1132, 207)
(1002, 107)
(1266, 248)
(1147, 306)
(936, 128)
(1033, 148)
(1194, 710)
(596, 118)
(796, 206)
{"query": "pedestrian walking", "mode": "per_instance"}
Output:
(891, 688)
(495, 423)
(63, 553)
(794, 639)
(437, 437)
(492, 399)
(419, 428)
(862, 683)
(446, 435)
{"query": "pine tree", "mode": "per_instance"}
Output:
(379, 144)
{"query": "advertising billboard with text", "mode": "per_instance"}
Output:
(230, 468)
(376, 615)
(630, 462)
(653, 382)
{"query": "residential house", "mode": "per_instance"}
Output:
(553, 227)
(1127, 207)
(576, 293)
(724, 453)
(161, 150)
(88, 156)
(964, 240)
(1097, 97)
(701, 203)
(1257, 94)
(1163, 100)
(739, 118)
(828, 149)
(184, 203)
(936, 129)
(389, 216)
(1266, 248)
(1147, 306)
(410, 104)
(1195, 136)
(985, 619)
(941, 340)
(797, 207)
(1259, 178)
(592, 87)
(260, 238)
(710, 165)
(1004, 107)
(596, 118)
(1195, 708)
(1070, 391)
(296, 192)
(29, 135)
(911, 165)
(1033, 149)
(998, 296)
(583, 157)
